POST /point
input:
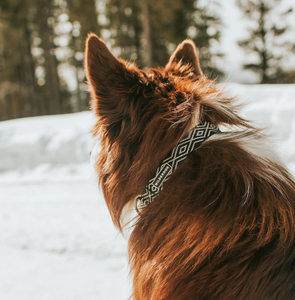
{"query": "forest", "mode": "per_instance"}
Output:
(42, 44)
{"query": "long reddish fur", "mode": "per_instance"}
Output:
(223, 226)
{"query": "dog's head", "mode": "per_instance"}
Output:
(142, 115)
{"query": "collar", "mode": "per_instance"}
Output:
(176, 156)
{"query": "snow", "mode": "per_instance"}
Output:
(57, 239)
(62, 139)
(271, 107)
(57, 242)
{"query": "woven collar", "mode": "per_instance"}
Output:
(179, 153)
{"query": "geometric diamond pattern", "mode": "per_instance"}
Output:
(179, 153)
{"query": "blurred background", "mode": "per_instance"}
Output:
(42, 44)
(57, 240)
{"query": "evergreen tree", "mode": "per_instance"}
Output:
(18, 84)
(203, 24)
(162, 29)
(265, 38)
(45, 30)
(84, 18)
(140, 27)
(124, 26)
(29, 67)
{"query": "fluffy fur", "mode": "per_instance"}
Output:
(223, 226)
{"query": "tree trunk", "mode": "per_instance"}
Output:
(146, 44)
(31, 106)
(83, 11)
(264, 58)
(51, 86)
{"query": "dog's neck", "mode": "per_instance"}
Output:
(176, 156)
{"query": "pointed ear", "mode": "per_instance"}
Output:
(110, 79)
(186, 53)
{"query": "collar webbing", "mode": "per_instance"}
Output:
(179, 153)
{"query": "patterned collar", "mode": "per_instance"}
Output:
(179, 153)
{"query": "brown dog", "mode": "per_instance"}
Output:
(223, 225)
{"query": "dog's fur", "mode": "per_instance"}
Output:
(223, 226)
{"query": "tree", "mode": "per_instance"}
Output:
(173, 21)
(265, 39)
(34, 49)
(125, 29)
(84, 18)
(51, 88)
(19, 89)
(148, 31)
(31, 84)
(203, 24)
(145, 41)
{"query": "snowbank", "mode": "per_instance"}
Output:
(52, 140)
(43, 143)
(271, 107)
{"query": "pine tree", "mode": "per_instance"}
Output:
(203, 24)
(264, 40)
(84, 18)
(18, 84)
(137, 26)
(125, 28)
(45, 30)
(29, 67)
(162, 29)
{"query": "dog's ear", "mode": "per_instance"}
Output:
(186, 53)
(110, 78)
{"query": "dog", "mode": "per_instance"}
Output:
(220, 223)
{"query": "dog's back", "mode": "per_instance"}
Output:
(223, 225)
(222, 228)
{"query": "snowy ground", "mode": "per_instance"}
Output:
(57, 243)
(57, 240)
